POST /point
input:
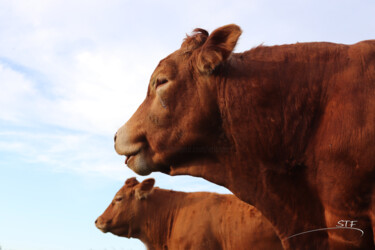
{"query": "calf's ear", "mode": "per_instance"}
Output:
(131, 182)
(218, 47)
(145, 188)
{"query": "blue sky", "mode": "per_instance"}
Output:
(72, 72)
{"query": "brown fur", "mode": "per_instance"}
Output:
(165, 219)
(289, 129)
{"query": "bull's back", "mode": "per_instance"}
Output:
(327, 95)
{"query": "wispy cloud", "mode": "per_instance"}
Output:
(71, 72)
(63, 151)
(93, 96)
(84, 154)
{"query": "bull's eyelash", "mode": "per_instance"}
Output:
(160, 81)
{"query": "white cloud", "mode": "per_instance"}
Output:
(15, 90)
(104, 90)
(87, 75)
(96, 91)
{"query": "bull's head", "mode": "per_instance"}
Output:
(180, 118)
(125, 214)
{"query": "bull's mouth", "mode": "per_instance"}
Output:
(128, 157)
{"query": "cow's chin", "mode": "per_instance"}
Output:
(139, 165)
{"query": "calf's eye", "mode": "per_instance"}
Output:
(118, 199)
(160, 81)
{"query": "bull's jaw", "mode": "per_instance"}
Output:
(205, 168)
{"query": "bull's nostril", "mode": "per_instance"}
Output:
(96, 221)
(114, 139)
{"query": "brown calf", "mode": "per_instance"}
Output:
(165, 219)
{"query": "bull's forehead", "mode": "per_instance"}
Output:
(168, 67)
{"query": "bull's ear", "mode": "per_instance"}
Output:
(218, 47)
(145, 188)
(131, 182)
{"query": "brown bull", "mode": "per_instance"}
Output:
(165, 219)
(289, 129)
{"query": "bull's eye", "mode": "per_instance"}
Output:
(160, 81)
(117, 199)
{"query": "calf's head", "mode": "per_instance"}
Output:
(180, 116)
(124, 215)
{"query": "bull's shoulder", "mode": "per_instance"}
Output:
(364, 51)
(370, 42)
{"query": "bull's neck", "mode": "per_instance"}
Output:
(254, 98)
(268, 116)
(160, 209)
